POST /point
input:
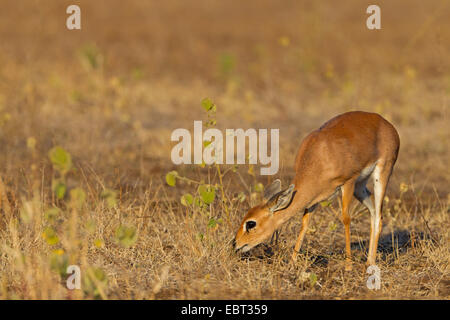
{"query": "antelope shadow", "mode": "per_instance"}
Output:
(389, 245)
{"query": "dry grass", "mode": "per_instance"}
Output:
(112, 93)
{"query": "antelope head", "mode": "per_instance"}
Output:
(261, 221)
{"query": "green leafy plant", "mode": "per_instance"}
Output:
(171, 178)
(90, 57)
(110, 196)
(51, 214)
(187, 199)
(95, 283)
(207, 193)
(61, 159)
(59, 261)
(62, 164)
(227, 63)
(126, 236)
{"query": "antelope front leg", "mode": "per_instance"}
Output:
(303, 228)
(275, 236)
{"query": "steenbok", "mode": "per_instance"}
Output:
(341, 155)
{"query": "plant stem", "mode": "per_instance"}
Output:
(223, 193)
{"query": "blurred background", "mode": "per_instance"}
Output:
(139, 69)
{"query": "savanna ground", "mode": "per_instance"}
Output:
(111, 94)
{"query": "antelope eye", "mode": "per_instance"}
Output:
(250, 225)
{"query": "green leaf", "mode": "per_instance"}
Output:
(90, 57)
(312, 279)
(208, 105)
(59, 188)
(241, 197)
(171, 178)
(251, 170)
(187, 199)
(98, 243)
(50, 236)
(211, 123)
(126, 236)
(51, 213)
(198, 202)
(110, 196)
(259, 187)
(207, 193)
(61, 159)
(212, 223)
(332, 226)
(59, 262)
(94, 281)
(227, 64)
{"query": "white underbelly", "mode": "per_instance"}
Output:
(366, 172)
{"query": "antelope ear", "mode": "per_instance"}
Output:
(282, 199)
(272, 189)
